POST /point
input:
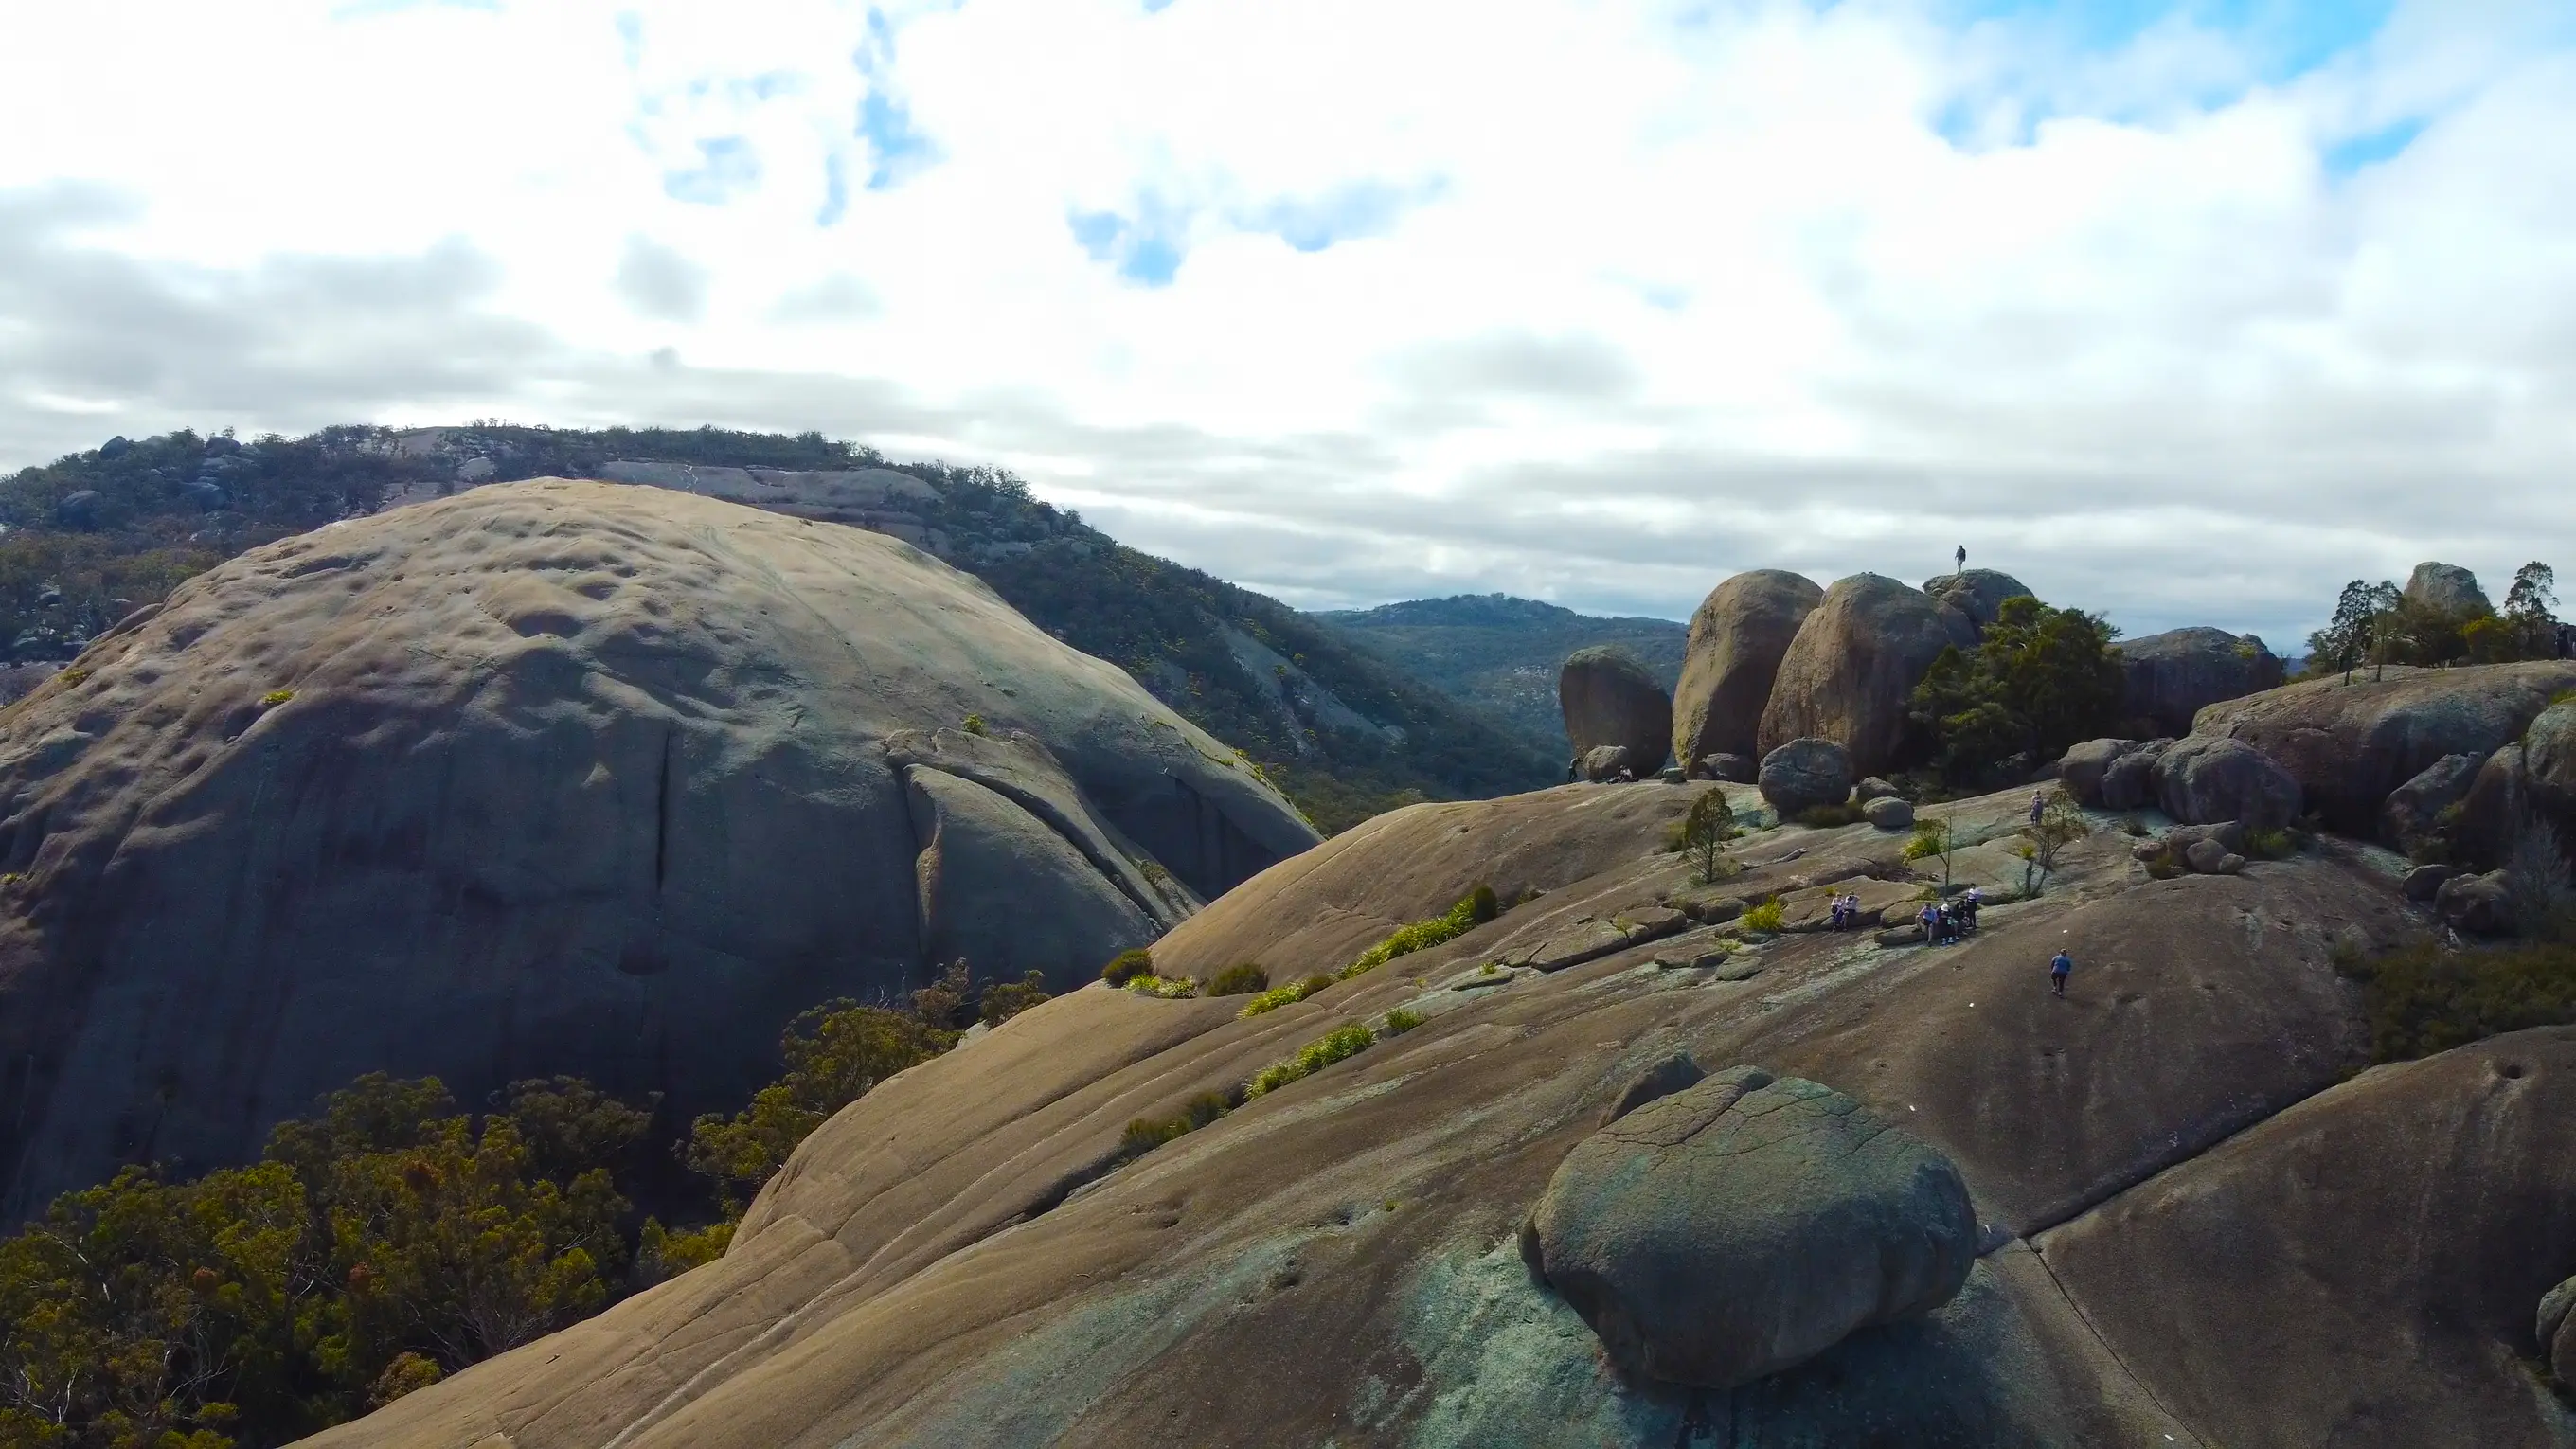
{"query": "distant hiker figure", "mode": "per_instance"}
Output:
(2058, 970)
(1963, 558)
(2038, 805)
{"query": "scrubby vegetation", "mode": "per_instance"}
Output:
(1126, 966)
(1166, 989)
(1340, 1044)
(1145, 1134)
(1703, 834)
(1244, 979)
(2376, 625)
(392, 1238)
(1765, 918)
(2039, 681)
(1830, 817)
(2427, 999)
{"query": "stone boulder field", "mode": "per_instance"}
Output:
(559, 777)
(1643, 1161)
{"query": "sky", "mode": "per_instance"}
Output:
(2183, 313)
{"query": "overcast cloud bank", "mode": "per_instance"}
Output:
(2188, 320)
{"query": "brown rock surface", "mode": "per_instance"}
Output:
(1610, 699)
(562, 777)
(2350, 745)
(2360, 1269)
(1737, 638)
(2170, 677)
(1852, 665)
(945, 1264)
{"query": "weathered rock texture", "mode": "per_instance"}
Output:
(2413, 813)
(1743, 1225)
(1737, 639)
(963, 1258)
(2171, 677)
(2447, 588)
(1977, 593)
(1611, 699)
(2350, 745)
(1853, 664)
(2205, 779)
(566, 777)
(1802, 774)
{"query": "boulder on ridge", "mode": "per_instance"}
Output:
(1611, 699)
(1803, 774)
(2204, 779)
(2350, 745)
(2082, 767)
(2172, 676)
(1854, 664)
(2448, 589)
(2413, 814)
(1738, 636)
(554, 778)
(1743, 1225)
(1977, 593)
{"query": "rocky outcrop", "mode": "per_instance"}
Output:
(1806, 773)
(2495, 811)
(1611, 699)
(2556, 1334)
(1739, 769)
(564, 777)
(2350, 745)
(2171, 677)
(1602, 764)
(2447, 589)
(1887, 812)
(2413, 815)
(2481, 905)
(1737, 639)
(1743, 1225)
(2549, 762)
(2082, 768)
(1977, 593)
(2204, 779)
(1854, 663)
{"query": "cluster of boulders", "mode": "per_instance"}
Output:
(1773, 658)
(2201, 849)
(2199, 780)
(1725, 1228)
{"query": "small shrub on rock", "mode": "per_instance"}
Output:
(1341, 1044)
(2426, 999)
(1147, 1133)
(1239, 980)
(1474, 909)
(1127, 965)
(1829, 817)
(1765, 917)
(1157, 986)
(1400, 1021)
(1002, 1000)
(2271, 844)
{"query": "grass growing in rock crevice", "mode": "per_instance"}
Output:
(2424, 999)
(1472, 910)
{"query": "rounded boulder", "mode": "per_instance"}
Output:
(1737, 638)
(1852, 668)
(1803, 774)
(1977, 593)
(1743, 1225)
(1611, 699)
(2170, 677)
(2206, 779)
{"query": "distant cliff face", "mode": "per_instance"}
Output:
(1501, 654)
(559, 777)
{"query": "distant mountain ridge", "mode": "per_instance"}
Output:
(1501, 654)
(1344, 730)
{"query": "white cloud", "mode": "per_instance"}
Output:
(1364, 300)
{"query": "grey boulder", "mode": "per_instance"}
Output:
(2129, 780)
(1733, 768)
(552, 778)
(1889, 813)
(2081, 769)
(1851, 671)
(2413, 814)
(2171, 677)
(1604, 763)
(1743, 1225)
(1977, 593)
(2447, 589)
(1608, 698)
(2556, 1330)
(2203, 779)
(1872, 788)
(80, 509)
(1805, 773)
(2481, 905)
(2425, 881)
(2549, 761)
(1738, 636)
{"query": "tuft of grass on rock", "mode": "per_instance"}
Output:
(1765, 917)
(1400, 1021)
(1239, 980)
(1147, 1133)
(1158, 987)
(1340, 1044)
(1128, 965)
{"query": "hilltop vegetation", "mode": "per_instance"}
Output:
(1345, 732)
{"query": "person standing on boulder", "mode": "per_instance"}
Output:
(1963, 558)
(2058, 970)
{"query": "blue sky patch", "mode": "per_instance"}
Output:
(2283, 38)
(1353, 209)
(895, 148)
(1144, 249)
(836, 190)
(726, 166)
(2345, 157)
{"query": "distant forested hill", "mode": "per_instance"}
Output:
(1501, 654)
(1346, 731)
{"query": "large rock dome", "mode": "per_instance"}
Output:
(1737, 638)
(555, 777)
(1853, 665)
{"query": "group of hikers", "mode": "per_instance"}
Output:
(1945, 922)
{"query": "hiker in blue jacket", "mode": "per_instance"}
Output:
(2058, 970)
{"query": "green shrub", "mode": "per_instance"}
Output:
(1400, 1021)
(2270, 844)
(1002, 1000)
(1474, 909)
(1240, 980)
(1764, 917)
(1156, 986)
(1147, 1133)
(1340, 1044)
(1127, 965)
(74, 677)
(1829, 817)
(2424, 999)
(275, 697)
(975, 725)
(2166, 864)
